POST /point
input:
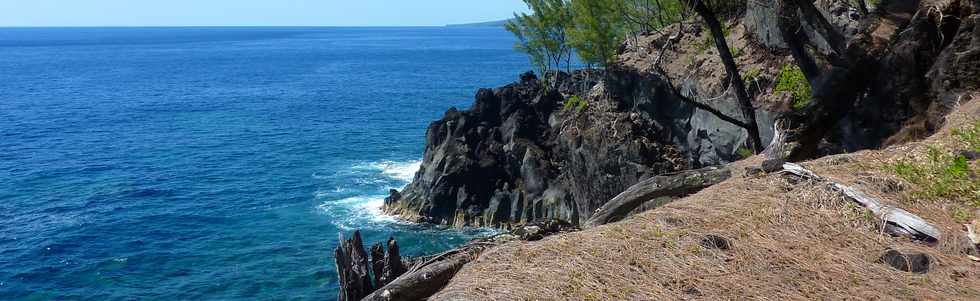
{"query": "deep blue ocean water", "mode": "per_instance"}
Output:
(217, 163)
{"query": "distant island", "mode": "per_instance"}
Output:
(498, 23)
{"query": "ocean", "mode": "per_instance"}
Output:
(218, 163)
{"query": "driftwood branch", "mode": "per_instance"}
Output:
(427, 274)
(676, 185)
(907, 222)
(427, 279)
(777, 147)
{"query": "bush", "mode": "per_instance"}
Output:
(792, 80)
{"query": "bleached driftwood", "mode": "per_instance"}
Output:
(905, 221)
(776, 149)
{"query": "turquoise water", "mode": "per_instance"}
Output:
(217, 163)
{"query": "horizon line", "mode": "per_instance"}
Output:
(226, 26)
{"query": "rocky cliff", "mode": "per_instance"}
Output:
(525, 152)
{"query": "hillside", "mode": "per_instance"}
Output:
(784, 240)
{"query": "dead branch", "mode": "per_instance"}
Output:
(906, 221)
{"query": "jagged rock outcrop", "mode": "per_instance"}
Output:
(762, 21)
(918, 79)
(524, 153)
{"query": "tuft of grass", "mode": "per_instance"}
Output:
(943, 174)
(970, 136)
(576, 102)
(751, 75)
(744, 152)
(792, 80)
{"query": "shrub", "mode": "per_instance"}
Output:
(791, 80)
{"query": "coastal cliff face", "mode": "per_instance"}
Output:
(525, 153)
(519, 155)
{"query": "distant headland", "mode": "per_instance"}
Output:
(498, 23)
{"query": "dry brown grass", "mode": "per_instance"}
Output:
(790, 241)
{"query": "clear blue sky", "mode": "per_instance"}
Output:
(253, 12)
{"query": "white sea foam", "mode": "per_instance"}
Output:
(397, 170)
(404, 171)
(357, 212)
(364, 210)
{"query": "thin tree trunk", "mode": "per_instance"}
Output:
(823, 26)
(850, 71)
(745, 104)
(863, 7)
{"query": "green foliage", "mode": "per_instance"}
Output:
(597, 30)
(542, 34)
(582, 105)
(650, 15)
(943, 174)
(792, 80)
(751, 75)
(576, 102)
(521, 29)
(594, 29)
(744, 152)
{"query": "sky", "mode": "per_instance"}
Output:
(253, 12)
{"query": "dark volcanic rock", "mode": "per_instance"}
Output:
(539, 230)
(911, 262)
(712, 241)
(519, 155)
(352, 268)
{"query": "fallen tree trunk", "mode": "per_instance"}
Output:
(430, 276)
(427, 274)
(676, 185)
(906, 222)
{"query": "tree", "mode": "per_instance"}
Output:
(745, 104)
(645, 16)
(542, 34)
(596, 31)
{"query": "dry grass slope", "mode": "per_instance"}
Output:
(789, 241)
